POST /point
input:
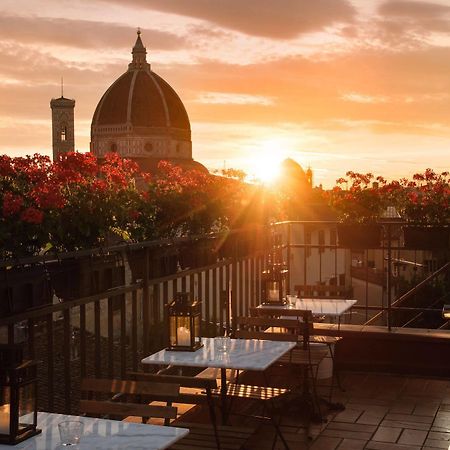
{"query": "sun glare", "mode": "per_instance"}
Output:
(267, 163)
(267, 169)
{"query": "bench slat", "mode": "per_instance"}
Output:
(127, 409)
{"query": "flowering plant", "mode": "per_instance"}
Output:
(71, 204)
(362, 201)
(25, 201)
(425, 198)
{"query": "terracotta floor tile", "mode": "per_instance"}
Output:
(439, 436)
(410, 418)
(370, 419)
(406, 424)
(386, 434)
(351, 427)
(402, 408)
(372, 445)
(348, 415)
(425, 410)
(352, 444)
(362, 435)
(431, 443)
(412, 437)
(325, 443)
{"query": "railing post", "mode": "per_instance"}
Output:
(288, 290)
(389, 276)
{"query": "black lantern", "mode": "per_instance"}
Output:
(184, 318)
(18, 396)
(274, 285)
(446, 312)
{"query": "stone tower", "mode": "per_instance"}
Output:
(63, 126)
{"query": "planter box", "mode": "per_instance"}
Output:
(359, 236)
(162, 262)
(426, 238)
(81, 277)
(24, 287)
(194, 255)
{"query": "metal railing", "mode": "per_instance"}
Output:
(109, 332)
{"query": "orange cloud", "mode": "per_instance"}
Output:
(282, 19)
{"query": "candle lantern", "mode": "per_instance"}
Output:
(184, 317)
(18, 396)
(274, 285)
(446, 312)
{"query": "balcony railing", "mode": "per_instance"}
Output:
(108, 331)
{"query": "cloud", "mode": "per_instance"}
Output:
(417, 17)
(364, 98)
(83, 34)
(283, 19)
(413, 9)
(224, 98)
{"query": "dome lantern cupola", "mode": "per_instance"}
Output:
(139, 53)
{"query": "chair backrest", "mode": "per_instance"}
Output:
(301, 319)
(328, 291)
(104, 397)
(204, 384)
(269, 328)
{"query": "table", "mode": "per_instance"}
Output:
(244, 354)
(101, 434)
(318, 306)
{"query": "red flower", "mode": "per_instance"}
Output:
(32, 215)
(11, 204)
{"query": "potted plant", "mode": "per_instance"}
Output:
(358, 208)
(424, 204)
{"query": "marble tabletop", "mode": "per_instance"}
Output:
(101, 434)
(244, 354)
(318, 306)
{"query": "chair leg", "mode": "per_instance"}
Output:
(274, 422)
(212, 415)
(335, 370)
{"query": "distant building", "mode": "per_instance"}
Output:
(142, 118)
(293, 177)
(63, 129)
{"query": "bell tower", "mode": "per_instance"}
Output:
(63, 125)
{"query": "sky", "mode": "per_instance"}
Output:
(336, 85)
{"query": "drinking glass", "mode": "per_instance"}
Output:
(70, 432)
(292, 300)
(222, 344)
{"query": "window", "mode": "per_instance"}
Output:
(333, 236)
(113, 147)
(63, 134)
(321, 241)
(148, 147)
(308, 242)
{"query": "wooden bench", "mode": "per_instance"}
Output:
(199, 391)
(323, 291)
(111, 398)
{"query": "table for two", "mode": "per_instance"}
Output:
(243, 354)
(101, 434)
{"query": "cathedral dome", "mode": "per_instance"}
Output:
(141, 117)
(141, 98)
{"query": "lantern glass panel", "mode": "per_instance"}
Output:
(273, 290)
(182, 331)
(27, 394)
(197, 334)
(5, 404)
